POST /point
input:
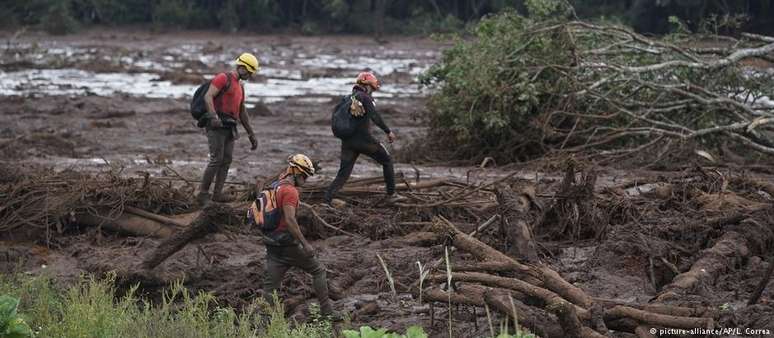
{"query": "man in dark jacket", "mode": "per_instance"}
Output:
(223, 113)
(362, 142)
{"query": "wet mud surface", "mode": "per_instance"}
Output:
(116, 102)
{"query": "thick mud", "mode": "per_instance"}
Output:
(117, 102)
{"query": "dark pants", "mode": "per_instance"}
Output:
(351, 148)
(280, 258)
(221, 142)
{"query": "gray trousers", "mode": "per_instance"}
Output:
(280, 258)
(221, 143)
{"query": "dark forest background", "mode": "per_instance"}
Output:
(368, 16)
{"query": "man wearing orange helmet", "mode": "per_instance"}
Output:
(286, 246)
(223, 111)
(362, 142)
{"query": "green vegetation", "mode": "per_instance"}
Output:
(360, 16)
(11, 325)
(489, 94)
(529, 85)
(91, 308)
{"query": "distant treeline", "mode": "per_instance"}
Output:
(369, 16)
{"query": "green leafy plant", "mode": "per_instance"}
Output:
(11, 325)
(368, 332)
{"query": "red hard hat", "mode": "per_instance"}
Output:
(368, 78)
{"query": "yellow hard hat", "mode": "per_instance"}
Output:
(301, 164)
(249, 61)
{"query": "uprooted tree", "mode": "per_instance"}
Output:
(526, 87)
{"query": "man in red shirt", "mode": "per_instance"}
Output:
(223, 113)
(286, 246)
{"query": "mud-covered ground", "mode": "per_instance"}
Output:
(117, 101)
(122, 97)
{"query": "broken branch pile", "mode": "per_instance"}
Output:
(527, 87)
(550, 306)
(38, 200)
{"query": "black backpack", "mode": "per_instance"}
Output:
(343, 123)
(199, 107)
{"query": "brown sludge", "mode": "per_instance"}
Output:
(213, 251)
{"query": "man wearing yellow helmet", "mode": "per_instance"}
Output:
(223, 111)
(286, 246)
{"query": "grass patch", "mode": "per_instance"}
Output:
(90, 308)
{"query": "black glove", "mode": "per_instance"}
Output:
(253, 142)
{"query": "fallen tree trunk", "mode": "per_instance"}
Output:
(488, 266)
(533, 294)
(128, 223)
(514, 209)
(155, 217)
(206, 223)
(711, 264)
(660, 320)
(663, 309)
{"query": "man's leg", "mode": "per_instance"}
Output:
(348, 159)
(216, 141)
(310, 265)
(220, 178)
(275, 270)
(379, 153)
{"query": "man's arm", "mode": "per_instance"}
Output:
(370, 109)
(245, 119)
(377, 118)
(209, 102)
(289, 213)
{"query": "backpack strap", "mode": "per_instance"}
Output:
(225, 88)
(274, 191)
